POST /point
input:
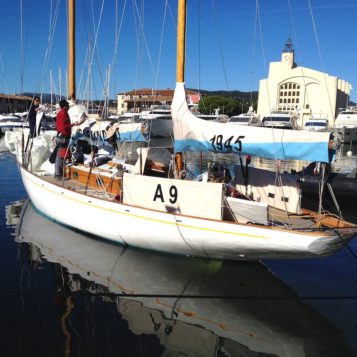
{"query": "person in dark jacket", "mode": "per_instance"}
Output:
(32, 116)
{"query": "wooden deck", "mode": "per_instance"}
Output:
(80, 187)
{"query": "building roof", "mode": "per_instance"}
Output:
(14, 96)
(154, 92)
(151, 98)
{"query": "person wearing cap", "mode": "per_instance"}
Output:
(32, 116)
(64, 130)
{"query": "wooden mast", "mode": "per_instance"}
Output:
(71, 51)
(180, 61)
(181, 41)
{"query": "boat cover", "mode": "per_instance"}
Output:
(195, 134)
(177, 196)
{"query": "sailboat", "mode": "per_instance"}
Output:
(152, 204)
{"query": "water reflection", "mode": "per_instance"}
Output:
(190, 306)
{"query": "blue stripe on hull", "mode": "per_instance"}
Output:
(131, 136)
(282, 151)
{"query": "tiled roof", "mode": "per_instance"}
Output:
(14, 96)
(153, 92)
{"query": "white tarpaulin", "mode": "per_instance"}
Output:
(186, 197)
(264, 186)
(194, 134)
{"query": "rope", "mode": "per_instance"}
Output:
(142, 32)
(219, 43)
(22, 64)
(319, 51)
(94, 50)
(51, 31)
(117, 34)
(298, 52)
(160, 48)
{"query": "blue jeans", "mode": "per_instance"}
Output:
(59, 164)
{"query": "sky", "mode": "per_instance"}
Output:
(229, 43)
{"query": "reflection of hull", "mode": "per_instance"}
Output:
(342, 185)
(241, 302)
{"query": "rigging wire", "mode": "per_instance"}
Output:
(219, 43)
(257, 9)
(53, 17)
(22, 60)
(138, 56)
(253, 54)
(118, 29)
(298, 52)
(140, 16)
(93, 51)
(160, 48)
(320, 53)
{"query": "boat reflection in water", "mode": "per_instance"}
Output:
(190, 307)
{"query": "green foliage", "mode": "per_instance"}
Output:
(228, 106)
(238, 102)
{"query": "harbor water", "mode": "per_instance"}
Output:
(64, 293)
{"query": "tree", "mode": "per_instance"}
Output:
(228, 106)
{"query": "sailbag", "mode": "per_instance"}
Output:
(195, 134)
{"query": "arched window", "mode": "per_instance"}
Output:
(288, 93)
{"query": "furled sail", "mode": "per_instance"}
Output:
(194, 134)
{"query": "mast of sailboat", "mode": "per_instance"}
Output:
(180, 60)
(181, 41)
(71, 50)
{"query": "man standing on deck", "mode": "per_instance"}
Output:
(32, 116)
(64, 132)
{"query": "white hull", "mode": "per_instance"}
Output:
(172, 233)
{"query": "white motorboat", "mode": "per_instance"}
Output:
(280, 120)
(345, 126)
(249, 118)
(10, 122)
(316, 124)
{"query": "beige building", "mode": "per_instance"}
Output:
(301, 90)
(142, 99)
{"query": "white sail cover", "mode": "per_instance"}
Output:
(169, 195)
(194, 134)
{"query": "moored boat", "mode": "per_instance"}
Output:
(152, 204)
